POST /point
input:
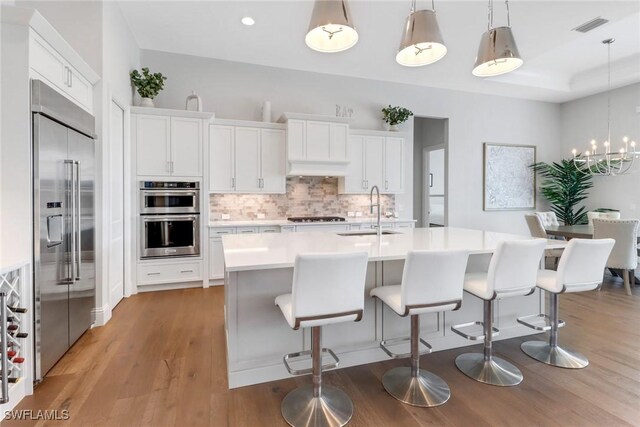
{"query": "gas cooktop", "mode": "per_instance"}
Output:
(316, 219)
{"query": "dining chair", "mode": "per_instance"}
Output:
(548, 218)
(536, 228)
(601, 215)
(624, 255)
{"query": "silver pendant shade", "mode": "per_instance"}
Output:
(497, 53)
(421, 42)
(331, 28)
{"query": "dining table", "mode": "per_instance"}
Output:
(582, 231)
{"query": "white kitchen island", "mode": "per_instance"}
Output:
(259, 267)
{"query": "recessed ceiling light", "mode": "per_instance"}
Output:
(248, 21)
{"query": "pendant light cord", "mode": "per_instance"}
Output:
(506, 2)
(490, 15)
(413, 5)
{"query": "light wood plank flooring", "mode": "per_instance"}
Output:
(161, 362)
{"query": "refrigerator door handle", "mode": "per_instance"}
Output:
(72, 214)
(78, 229)
(3, 348)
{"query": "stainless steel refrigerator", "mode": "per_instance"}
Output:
(64, 224)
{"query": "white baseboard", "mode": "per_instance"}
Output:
(101, 315)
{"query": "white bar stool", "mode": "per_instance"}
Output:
(327, 288)
(431, 282)
(580, 269)
(512, 272)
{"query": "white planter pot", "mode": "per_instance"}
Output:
(393, 128)
(146, 102)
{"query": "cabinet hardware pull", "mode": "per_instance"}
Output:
(186, 271)
(70, 77)
(153, 274)
(233, 183)
(386, 185)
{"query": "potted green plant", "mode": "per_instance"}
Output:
(565, 185)
(148, 85)
(395, 116)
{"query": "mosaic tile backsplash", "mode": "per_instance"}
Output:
(306, 196)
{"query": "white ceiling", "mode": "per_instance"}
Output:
(560, 64)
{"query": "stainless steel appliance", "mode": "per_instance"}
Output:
(316, 219)
(64, 223)
(169, 197)
(169, 219)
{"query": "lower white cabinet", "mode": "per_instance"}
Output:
(216, 258)
(155, 274)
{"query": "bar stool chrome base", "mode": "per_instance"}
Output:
(333, 408)
(554, 356)
(495, 371)
(425, 390)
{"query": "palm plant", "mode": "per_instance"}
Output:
(565, 186)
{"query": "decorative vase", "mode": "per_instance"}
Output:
(146, 102)
(192, 97)
(266, 112)
(393, 128)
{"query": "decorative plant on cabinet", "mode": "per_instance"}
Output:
(395, 116)
(148, 85)
(565, 186)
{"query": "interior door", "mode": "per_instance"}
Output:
(247, 160)
(436, 187)
(51, 243)
(272, 153)
(82, 289)
(116, 207)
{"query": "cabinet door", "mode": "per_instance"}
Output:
(318, 140)
(79, 88)
(296, 139)
(221, 159)
(186, 146)
(47, 62)
(247, 160)
(373, 162)
(216, 259)
(354, 179)
(393, 165)
(272, 146)
(338, 143)
(152, 145)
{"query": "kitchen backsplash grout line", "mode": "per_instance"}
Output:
(305, 196)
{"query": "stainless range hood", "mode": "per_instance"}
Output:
(316, 145)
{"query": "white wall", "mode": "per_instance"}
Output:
(237, 90)
(586, 119)
(78, 22)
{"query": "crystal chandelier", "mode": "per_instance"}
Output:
(602, 161)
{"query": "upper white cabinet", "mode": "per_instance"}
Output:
(374, 159)
(167, 145)
(316, 145)
(50, 66)
(246, 159)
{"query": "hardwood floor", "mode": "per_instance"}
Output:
(161, 362)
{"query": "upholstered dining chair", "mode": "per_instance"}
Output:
(602, 215)
(537, 230)
(624, 255)
(548, 218)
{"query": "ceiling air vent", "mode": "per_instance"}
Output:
(590, 25)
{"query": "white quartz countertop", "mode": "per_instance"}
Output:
(279, 222)
(267, 251)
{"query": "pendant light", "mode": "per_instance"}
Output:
(421, 42)
(603, 161)
(498, 53)
(331, 28)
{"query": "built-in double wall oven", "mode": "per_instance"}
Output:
(169, 219)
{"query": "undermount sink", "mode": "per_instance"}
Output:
(366, 233)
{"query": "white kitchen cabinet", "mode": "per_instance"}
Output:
(247, 159)
(316, 145)
(186, 146)
(393, 165)
(153, 150)
(54, 69)
(374, 159)
(216, 258)
(167, 145)
(374, 162)
(155, 274)
(221, 159)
